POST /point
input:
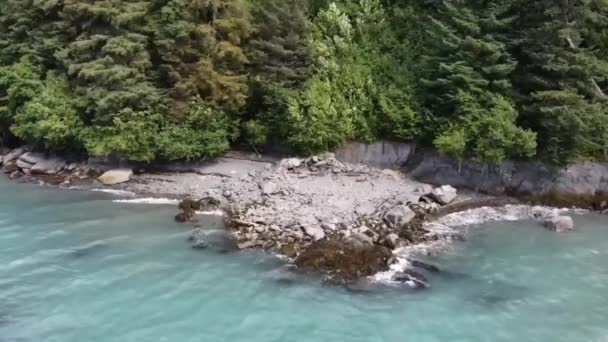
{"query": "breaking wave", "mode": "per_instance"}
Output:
(450, 226)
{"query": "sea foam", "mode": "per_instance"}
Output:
(452, 224)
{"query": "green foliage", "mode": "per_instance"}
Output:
(255, 132)
(317, 118)
(562, 75)
(452, 142)
(181, 79)
(199, 44)
(359, 83)
(50, 119)
(132, 135)
(486, 131)
(206, 133)
(19, 83)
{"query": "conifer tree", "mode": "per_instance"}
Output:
(469, 83)
(108, 62)
(562, 77)
(199, 44)
(279, 50)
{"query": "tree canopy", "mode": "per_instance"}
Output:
(183, 80)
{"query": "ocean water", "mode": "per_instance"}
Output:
(78, 266)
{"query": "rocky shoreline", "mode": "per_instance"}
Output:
(326, 216)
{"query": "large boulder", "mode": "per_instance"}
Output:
(291, 163)
(343, 261)
(315, 232)
(23, 164)
(392, 241)
(560, 224)
(444, 195)
(399, 216)
(359, 239)
(14, 154)
(10, 167)
(116, 176)
(48, 166)
(32, 157)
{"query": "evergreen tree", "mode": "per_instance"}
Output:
(469, 82)
(562, 76)
(279, 50)
(199, 45)
(281, 61)
(108, 63)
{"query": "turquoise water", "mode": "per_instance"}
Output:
(75, 266)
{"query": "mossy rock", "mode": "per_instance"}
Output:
(344, 262)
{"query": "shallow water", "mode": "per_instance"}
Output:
(76, 266)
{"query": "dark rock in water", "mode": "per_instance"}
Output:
(424, 266)
(493, 299)
(413, 279)
(449, 275)
(89, 249)
(344, 262)
(198, 238)
(185, 216)
(289, 250)
(200, 244)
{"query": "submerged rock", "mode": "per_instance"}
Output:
(116, 176)
(424, 266)
(560, 224)
(184, 216)
(413, 279)
(343, 261)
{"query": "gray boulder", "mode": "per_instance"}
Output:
(391, 241)
(116, 176)
(49, 166)
(444, 195)
(399, 216)
(291, 163)
(32, 157)
(360, 240)
(315, 232)
(24, 165)
(14, 154)
(560, 224)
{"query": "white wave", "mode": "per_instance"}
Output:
(122, 193)
(217, 212)
(449, 225)
(148, 200)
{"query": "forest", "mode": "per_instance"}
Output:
(165, 80)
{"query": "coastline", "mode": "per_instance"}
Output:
(308, 210)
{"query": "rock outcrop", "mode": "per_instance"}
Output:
(344, 262)
(303, 206)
